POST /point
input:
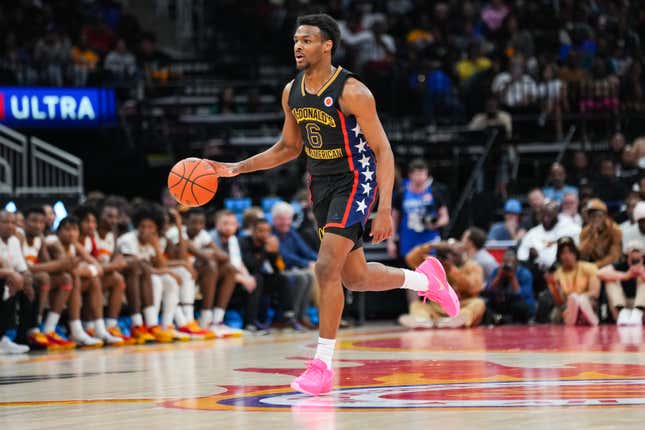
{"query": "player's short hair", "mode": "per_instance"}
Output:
(68, 220)
(259, 221)
(222, 213)
(195, 211)
(477, 236)
(329, 29)
(250, 215)
(418, 164)
(38, 210)
(84, 211)
(153, 212)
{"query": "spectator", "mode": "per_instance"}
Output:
(635, 230)
(557, 188)
(539, 244)
(249, 217)
(85, 61)
(418, 211)
(52, 53)
(260, 251)
(493, 15)
(509, 291)
(552, 94)
(569, 211)
(493, 117)
(574, 286)
(581, 174)
(626, 280)
(536, 201)
(435, 90)
(465, 276)
(474, 240)
(601, 239)
(475, 62)
(298, 257)
(515, 88)
(120, 62)
(607, 186)
(509, 229)
(376, 49)
(223, 235)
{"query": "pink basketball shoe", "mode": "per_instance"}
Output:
(316, 380)
(439, 290)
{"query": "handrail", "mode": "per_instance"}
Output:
(565, 143)
(471, 180)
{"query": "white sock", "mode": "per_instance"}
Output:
(89, 325)
(414, 281)
(51, 321)
(180, 318)
(206, 318)
(101, 331)
(218, 315)
(189, 312)
(76, 328)
(137, 319)
(111, 322)
(325, 350)
(151, 316)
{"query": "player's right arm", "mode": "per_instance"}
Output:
(287, 148)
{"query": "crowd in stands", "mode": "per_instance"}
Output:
(73, 43)
(543, 58)
(573, 249)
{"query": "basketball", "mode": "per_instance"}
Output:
(192, 182)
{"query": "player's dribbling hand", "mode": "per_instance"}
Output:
(381, 226)
(223, 170)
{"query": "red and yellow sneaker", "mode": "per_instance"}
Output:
(116, 332)
(60, 342)
(160, 334)
(141, 335)
(196, 332)
(178, 335)
(39, 341)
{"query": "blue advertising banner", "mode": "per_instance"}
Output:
(57, 107)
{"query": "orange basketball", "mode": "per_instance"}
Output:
(192, 182)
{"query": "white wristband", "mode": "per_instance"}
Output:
(93, 270)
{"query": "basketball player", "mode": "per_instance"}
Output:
(102, 249)
(53, 279)
(144, 245)
(333, 115)
(216, 275)
(87, 282)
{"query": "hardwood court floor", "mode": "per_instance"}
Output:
(387, 378)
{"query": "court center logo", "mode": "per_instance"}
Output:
(378, 385)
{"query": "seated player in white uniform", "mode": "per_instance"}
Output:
(180, 262)
(87, 285)
(216, 274)
(52, 277)
(146, 246)
(112, 281)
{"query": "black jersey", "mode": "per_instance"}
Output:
(333, 142)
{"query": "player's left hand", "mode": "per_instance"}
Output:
(381, 226)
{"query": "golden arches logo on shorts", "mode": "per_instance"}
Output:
(321, 232)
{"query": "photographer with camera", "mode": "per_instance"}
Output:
(625, 285)
(419, 211)
(509, 292)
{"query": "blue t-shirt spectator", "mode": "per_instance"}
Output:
(294, 250)
(525, 281)
(554, 194)
(416, 209)
(499, 230)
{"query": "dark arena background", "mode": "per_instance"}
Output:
(518, 131)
